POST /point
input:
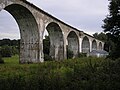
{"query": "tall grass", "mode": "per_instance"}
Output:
(12, 60)
(73, 74)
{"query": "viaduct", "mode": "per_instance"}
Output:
(33, 22)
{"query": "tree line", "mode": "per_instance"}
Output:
(9, 47)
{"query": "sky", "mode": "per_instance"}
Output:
(85, 15)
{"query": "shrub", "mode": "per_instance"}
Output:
(87, 73)
(6, 51)
(47, 57)
(15, 50)
(1, 60)
(69, 54)
(82, 55)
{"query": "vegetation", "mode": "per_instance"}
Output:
(1, 60)
(9, 47)
(46, 45)
(46, 49)
(6, 51)
(69, 54)
(80, 55)
(73, 74)
(9, 42)
(85, 73)
(112, 28)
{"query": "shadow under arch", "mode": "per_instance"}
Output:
(29, 32)
(73, 43)
(94, 45)
(85, 45)
(56, 41)
(100, 46)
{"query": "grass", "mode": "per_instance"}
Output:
(73, 74)
(12, 60)
(13, 67)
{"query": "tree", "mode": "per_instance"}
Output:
(6, 51)
(5, 42)
(112, 27)
(46, 45)
(70, 53)
(1, 60)
(103, 37)
(46, 48)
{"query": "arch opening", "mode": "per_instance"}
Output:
(29, 42)
(100, 46)
(94, 45)
(8, 26)
(85, 45)
(46, 46)
(73, 44)
(56, 41)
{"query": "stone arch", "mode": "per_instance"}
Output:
(100, 46)
(85, 45)
(29, 33)
(73, 43)
(56, 41)
(94, 45)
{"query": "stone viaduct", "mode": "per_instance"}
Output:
(33, 22)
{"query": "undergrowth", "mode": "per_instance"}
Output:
(73, 74)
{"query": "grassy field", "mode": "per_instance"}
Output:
(73, 74)
(12, 60)
(12, 66)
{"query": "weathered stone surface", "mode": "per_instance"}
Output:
(33, 21)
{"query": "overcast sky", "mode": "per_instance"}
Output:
(86, 15)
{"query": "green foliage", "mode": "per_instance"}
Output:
(6, 51)
(15, 50)
(74, 74)
(47, 57)
(9, 42)
(112, 27)
(69, 54)
(101, 36)
(104, 37)
(9, 47)
(82, 55)
(1, 60)
(14, 60)
(46, 45)
(46, 49)
(5, 42)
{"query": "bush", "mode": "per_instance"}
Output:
(47, 57)
(82, 55)
(87, 73)
(1, 60)
(15, 50)
(6, 51)
(69, 54)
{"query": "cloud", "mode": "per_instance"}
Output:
(9, 35)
